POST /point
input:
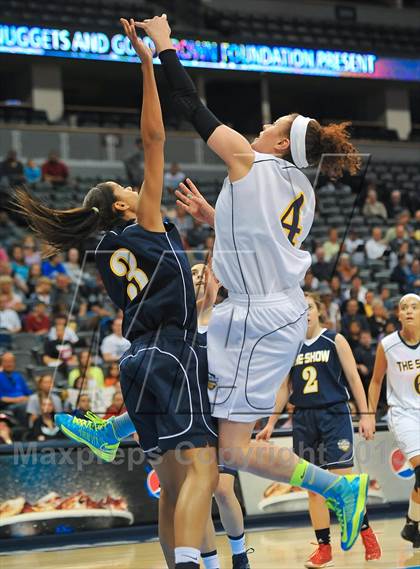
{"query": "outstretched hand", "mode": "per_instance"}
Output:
(194, 203)
(158, 30)
(144, 52)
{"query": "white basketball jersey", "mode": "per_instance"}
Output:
(403, 372)
(261, 222)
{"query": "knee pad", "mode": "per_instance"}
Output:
(417, 479)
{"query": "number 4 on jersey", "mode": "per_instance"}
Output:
(290, 219)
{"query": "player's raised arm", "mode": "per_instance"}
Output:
(153, 137)
(375, 385)
(348, 363)
(233, 148)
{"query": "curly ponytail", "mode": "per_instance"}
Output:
(330, 147)
(61, 230)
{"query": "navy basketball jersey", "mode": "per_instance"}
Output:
(148, 276)
(317, 377)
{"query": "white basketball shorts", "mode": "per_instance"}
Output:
(405, 425)
(252, 343)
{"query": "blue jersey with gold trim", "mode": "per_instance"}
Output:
(148, 276)
(317, 377)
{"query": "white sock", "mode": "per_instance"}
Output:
(211, 560)
(414, 511)
(237, 544)
(187, 555)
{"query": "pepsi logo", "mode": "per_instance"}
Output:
(153, 484)
(400, 465)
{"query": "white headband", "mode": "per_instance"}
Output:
(408, 295)
(297, 141)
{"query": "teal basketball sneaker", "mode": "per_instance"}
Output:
(347, 498)
(96, 433)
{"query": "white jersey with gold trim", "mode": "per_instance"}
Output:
(261, 222)
(403, 372)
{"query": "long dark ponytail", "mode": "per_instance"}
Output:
(61, 230)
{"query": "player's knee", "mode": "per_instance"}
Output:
(224, 495)
(169, 494)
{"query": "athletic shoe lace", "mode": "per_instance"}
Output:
(93, 422)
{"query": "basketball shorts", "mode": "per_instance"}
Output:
(324, 436)
(405, 426)
(252, 343)
(163, 381)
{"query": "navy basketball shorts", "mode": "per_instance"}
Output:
(164, 385)
(324, 436)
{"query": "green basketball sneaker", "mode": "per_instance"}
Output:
(96, 433)
(347, 498)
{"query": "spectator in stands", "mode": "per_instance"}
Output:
(331, 307)
(9, 231)
(17, 260)
(54, 170)
(114, 345)
(59, 352)
(352, 314)
(310, 283)
(12, 169)
(44, 428)
(320, 268)
(332, 245)
(86, 375)
(196, 236)
(357, 290)
(353, 242)
(353, 334)
(373, 207)
(413, 279)
(63, 292)
(183, 221)
(369, 298)
(117, 406)
(172, 179)
(6, 433)
(53, 266)
(9, 318)
(37, 320)
(375, 246)
(83, 406)
(403, 250)
(345, 269)
(378, 319)
(13, 299)
(404, 220)
(400, 274)
(14, 391)
(113, 376)
(394, 205)
(401, 236)
(364, 355)
(69, 334)
(133, 165)
(32, 172)
(416, 227)
(35, 273)
(385, 296)
(72, 266)
(390, 327)
(336, 289)
(30, 252)
(43, 287)
(44, 386)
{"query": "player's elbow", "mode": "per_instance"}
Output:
(153, 138)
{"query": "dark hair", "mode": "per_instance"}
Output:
(330, 147)
(63, 229)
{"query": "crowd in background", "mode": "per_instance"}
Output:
(61, 337)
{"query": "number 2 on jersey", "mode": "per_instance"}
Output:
(123, 264)
(290, 219)
(310, 375)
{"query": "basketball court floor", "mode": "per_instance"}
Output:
(274, 549)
